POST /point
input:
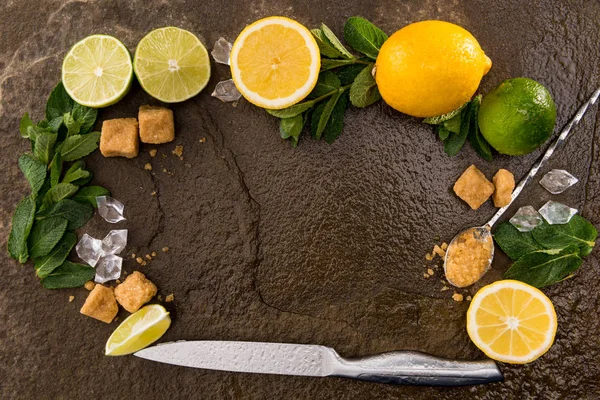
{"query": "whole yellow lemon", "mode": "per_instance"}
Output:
(430, 68)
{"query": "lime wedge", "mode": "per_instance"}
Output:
(171, 64)
(138, 331)
(97, 71)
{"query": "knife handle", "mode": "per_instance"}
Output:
(415, 368)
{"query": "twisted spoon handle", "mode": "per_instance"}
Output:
(534, 170)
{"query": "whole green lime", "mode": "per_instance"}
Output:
(517, 117)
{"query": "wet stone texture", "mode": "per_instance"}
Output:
(322, 244)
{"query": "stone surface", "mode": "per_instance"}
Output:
(322, 244)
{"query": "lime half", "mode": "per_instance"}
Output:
(139, 330)
(97, 71)
(171, 64)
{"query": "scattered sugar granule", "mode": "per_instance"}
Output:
(89, 285)
(153, 254)
(439, 251)
(170, 298)
(148, 167)
(428, 257)
(153, 152)
(165, 249)
(202, 139)
(71, 298)
(178, 151)
(444, 246)
(457, 297)
(430, 271)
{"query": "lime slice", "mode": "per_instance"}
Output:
(97, 71)
(139, 330)
(171, 64)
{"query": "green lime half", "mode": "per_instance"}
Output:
(517, 117)
(171, 64)
(97, 71)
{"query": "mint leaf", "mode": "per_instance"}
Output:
(34, 171)
(321, 115)
(456, 142)
(445, 117)
(59, 192)
(331, 64)
(88, 195)
(76, 213)
(364, 37)
(55, 124)
(578, 232)
(76, 172)
(515, 243)
(453, 124)
(45, 265)
(545, 267)
(481, 147)
(78, 146)
(55, 169)
(348, 74)
(44, 146)
(73, 126)
(363, 91)
(325, 47)
(24, 125)
(44, 236)
(327, 83)
(69, 275)
(335, 42)
(291, 128)
(86, 116)
(39, 200)
(292, 111)
(334, 126)
(22, 221)
(443, 132)
(58, 103)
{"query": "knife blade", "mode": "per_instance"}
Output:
(397, 367)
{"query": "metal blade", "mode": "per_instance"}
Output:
(255, 357)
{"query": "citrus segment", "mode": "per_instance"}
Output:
(511, 321)
(138, 331)
(97, 71)
(275, 62)
(171, 64)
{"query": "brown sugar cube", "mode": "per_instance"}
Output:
(473, 187)
(504, 182)
(119, 138)
(136, 291)
(100, 304)
(156, 125)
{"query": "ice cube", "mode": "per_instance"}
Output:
(89, 249)
(557, 181)
(526, 219)
(221, 51)
(108, 268)
(557, 213)
(115, 241)
(226, 91)
(110, 209)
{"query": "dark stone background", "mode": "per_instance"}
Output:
(322, 244)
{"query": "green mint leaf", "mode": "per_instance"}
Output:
(443, 132)
(331, 64)
(481, 147)
(44, 236)
(55, 124)
(456, 142)
(88, 195)
(34, 171)
(76, 213)
(327, 83)
(55, 169)
(335, 42)
(513, 242)
(24, 125)
(22, 221)
(545, 267)
(292, 111)
(58, 103)
(363, 91)
(348, 74)
(364, 37)
(578, 232)
(78, 146)
(39, 200)
(441, 118)
(325, 47)
(69, 275)
(321, 117)
(73, 126)
(291, 127)
(453, 124)
(59, 253)
(85, 180)
(76, 172)
(86, 116)
(44, 147)
(58, 192)
(335, 125)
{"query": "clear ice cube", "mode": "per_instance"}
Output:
(557, 181)
(557, 213)
(108, 268)
(110, 209)
(221, 51)
(526, 219)
(89, 249)
(226, 91)
(114, 242)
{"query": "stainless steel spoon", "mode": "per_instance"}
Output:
(484, 233)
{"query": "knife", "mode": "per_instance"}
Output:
(397, 367)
